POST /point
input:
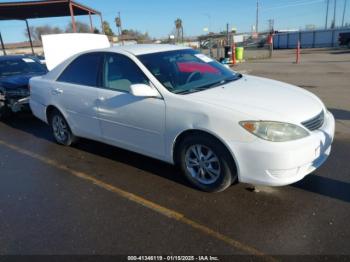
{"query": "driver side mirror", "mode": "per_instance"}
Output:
(143, 90)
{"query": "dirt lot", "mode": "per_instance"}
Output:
(96, 199)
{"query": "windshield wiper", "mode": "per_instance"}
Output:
(219, 83)
(188, 91)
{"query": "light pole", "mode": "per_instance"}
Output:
(209, 19)
(342, 22)
(209, 38)
(327, 14)
(257, 17)
(334, 14)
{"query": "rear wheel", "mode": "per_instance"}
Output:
(60, 129)
(206, 163)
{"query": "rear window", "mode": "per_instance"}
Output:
(21, 66)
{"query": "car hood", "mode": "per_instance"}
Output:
(263, 99)
(17, 81)
(59, 47)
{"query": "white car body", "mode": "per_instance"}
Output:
(151, 126)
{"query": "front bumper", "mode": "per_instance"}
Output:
(281, 163)
(19, 105)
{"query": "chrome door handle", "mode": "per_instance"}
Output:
(57, 91)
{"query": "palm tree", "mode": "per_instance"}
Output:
(179, 30)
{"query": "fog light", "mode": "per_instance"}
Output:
(283, 173)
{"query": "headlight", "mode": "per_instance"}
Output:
(2, 94)
(274, 131)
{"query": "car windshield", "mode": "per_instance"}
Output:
(187, 71)
(20, 66)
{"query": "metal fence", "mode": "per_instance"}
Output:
(308, 39)
(254, 48)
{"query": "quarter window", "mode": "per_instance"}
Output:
(84, 70)
(120, 72)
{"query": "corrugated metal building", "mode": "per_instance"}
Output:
(308, 39)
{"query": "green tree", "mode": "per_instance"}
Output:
(107, 29)
(136, 35)
(37, 32)
(80, 27)
(179, 30)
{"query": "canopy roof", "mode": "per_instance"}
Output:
(40, 9)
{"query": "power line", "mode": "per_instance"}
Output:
(293, 5)
(290, 3)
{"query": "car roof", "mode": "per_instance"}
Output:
(142, 49)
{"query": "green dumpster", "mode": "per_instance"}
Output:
(239, 53)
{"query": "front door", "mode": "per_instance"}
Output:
(131, 122)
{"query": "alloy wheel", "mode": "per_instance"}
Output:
(203, 164)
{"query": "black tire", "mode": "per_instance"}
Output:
(5, 113)
(227, 171)
(68, 138)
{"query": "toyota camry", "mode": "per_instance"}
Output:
(175, 104)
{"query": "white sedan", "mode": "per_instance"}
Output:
(177, 105)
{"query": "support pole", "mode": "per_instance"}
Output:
(270, 42)
(227, 34)
(102, 29)
(217, 50)
(30, 36)
(210, 47)
(297, 60)
(72, 16)
(233, 50)
(2, 45)
(91, 27)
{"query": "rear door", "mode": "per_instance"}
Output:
(76, 92)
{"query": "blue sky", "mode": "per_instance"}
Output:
(157, 16)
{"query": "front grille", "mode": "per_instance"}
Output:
(315, 122)
(18, 92)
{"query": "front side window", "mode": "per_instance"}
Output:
(84, 70)
(186, 71)
(120, 72)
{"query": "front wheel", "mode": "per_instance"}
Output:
(206, 163)
(4, 112)
(60, 129)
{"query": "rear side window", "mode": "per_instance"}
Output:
(84, 70)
